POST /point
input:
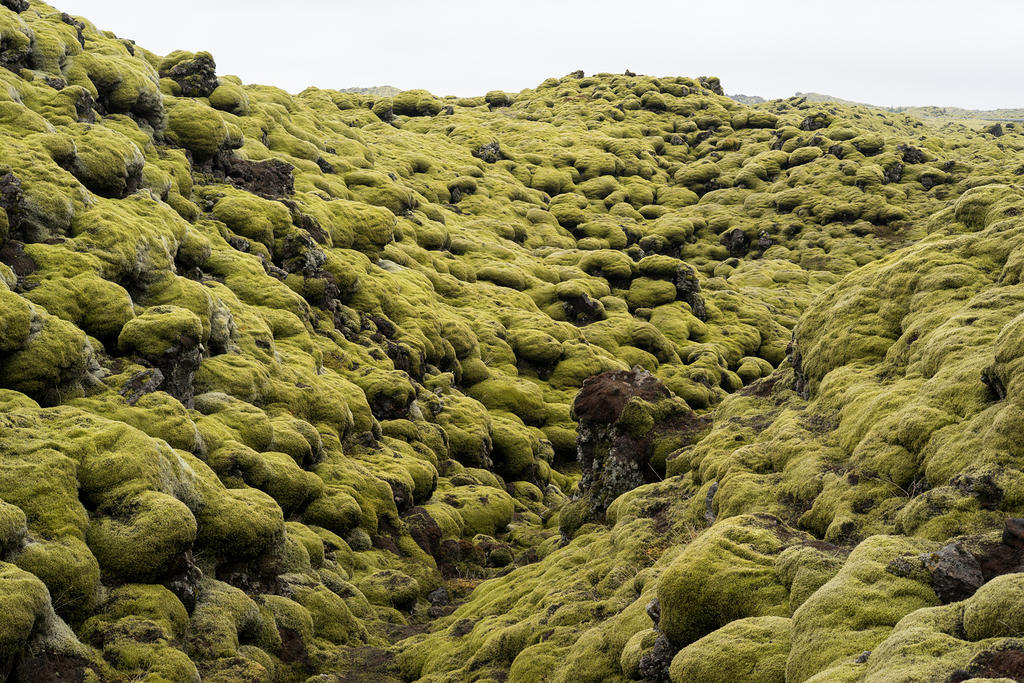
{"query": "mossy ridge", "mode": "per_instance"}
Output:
(258, 255)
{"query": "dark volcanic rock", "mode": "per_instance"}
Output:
(796, 361)
(50, 666)
(489, 153)
(143, 382)
(713, 84)
(982, 487)
(423, 529)
(816, 122)
(175, 355)
(196, 76)
(655, 664)
(893, 174)
(603, 397)
(71, 21)
(13, 254)
(911, 155)
(736, 242)
(583, 309)
(688, 290)
(179, 367)
(956, 574)
(11, 201)
(1013, 533)
(1005, 662)
(184, 580)
(654, 610)
(439, 596)
(621, 414)
(270, 179)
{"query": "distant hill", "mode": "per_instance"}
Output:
(925, 112)
(748, 100)
(382, 90)
(958, 113)
(821, 97)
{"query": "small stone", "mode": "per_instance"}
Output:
(142, 383)
(654, 610)
(489, 153)
(1013, 532)
(735, 241)
(655, 664)
(439, 597)
(956, 574)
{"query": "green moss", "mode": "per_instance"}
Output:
(138, 628)
(230, 97)
(100, 308)
(880, 583)
(415, 103)
(235, 523)
(551, 180)
(499, 98)
(227, 418)
(310, 541)
(52, 364)
(297, 438)
(647, 293)
(360, 226)
(753, 649)
(158, 329)
(336, 510)
(106, 162)
(751, 369)
(152, 602)
(803, 569)
(332, 619)
(804, 155)
(513, 447)
(389, 588)
(277, 474)
(471, 509)
(943, 641)
(25, 601)
(221, 614)
(636, 647)
(69, 570)
(17, 316)
(143, 538)
(519, 397)
(994, 611)
(380, 190)
(253, 217)
(196, 127)
(579, 362)
(12, 527)
(572, 516)
(727, 573)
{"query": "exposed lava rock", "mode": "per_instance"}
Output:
(196, 75)
(623, 417)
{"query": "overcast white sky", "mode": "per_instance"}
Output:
(885, 52)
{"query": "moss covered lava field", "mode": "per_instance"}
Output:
(611, 379)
